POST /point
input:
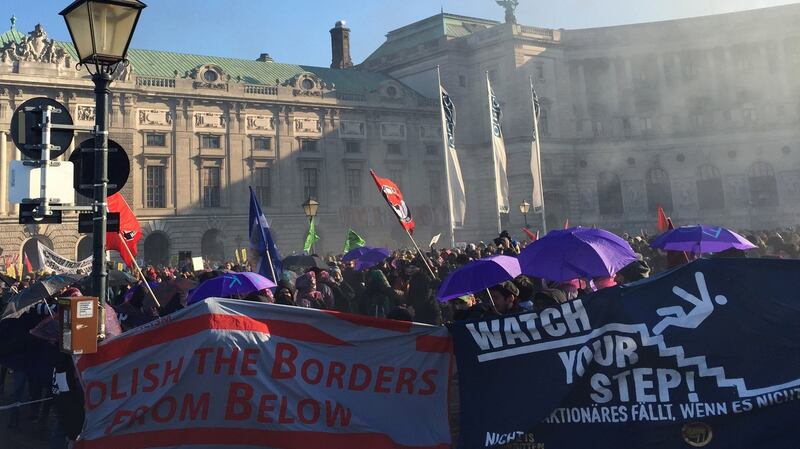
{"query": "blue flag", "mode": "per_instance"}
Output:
(261, 243)
(706, 355)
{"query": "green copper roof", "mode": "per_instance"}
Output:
(164, 64)
(432, 28)
(10, 35)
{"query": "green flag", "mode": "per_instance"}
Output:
(353, 241)
(311, 238)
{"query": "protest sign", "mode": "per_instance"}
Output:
(197, 263)
(226, 373)
(706, 355)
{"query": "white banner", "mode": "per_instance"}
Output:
(498, 151)
(455, 183)
(51, 261)
(536, 157)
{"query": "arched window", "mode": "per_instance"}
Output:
(211, 246)
(156, 249)
(710, 194)
(85, 247)
(30, 253)
(609, 194)
(763, 186)
(659, 189)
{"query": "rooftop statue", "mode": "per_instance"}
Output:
(510, 6)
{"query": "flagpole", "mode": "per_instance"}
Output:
(446, 163)
(269, 260)
(136, 265)
(424, 259)
(538, 138)
(494, 157)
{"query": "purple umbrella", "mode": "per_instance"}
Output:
(371, 258)
(576, 253)
(231, 285)
(478, 275)
(701, 239)
(355, 253)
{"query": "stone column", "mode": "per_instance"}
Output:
(16, 156)
(3, 174)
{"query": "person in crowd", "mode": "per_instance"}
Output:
(378, 297)
(307, 293)
(504, 298)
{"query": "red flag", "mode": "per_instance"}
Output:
(391, 193)
(129, 230)
(28, 263)
(566, 224)
(663, 221)
(531, 236)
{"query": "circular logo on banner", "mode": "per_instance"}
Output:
(697, 434)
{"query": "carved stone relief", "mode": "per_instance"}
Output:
(352, 128)
(307, 125)
(789, 185)
(84, 113)
(393, 130)
(155, 117)
(633, 195)
(209, 120)
(428, 132)
(684, 192)
(34, 47)
(260, 123)
(736, 191)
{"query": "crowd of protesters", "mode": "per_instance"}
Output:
(402, 287)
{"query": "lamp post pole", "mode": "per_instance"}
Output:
(102, 81)
(524, 208)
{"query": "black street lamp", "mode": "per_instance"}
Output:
(101, 31)
(525, 207)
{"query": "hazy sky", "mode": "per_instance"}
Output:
(297, 31)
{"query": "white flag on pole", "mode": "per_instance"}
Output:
(455, 187)
(498, 150)
(536, 159)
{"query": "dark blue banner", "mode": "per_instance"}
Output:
(707, 355)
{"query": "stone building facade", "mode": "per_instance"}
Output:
(698, 115)
(200, 130)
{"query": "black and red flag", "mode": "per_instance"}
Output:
(129, 230)
(394, 197)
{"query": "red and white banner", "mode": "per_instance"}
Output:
(228, 373)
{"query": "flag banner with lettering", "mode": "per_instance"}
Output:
(498, 150)
(455, 182)
(706, 355)
(55, 263)
(229, 373)
(536, 149)
(394, 198)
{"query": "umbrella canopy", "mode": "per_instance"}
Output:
(117, 278)
(39, 291)
(371, 258)
(304, 261)
(355, 253)
(479, 275)
(701, 239)
(232, 285)
(129, 294)
(574, 253)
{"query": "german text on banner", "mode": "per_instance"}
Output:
(706, 356)
(228, 373)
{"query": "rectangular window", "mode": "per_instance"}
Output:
(394, 148)
(262, 178)
(435, 187)
(598, 129)
(262, 143)
(462, 81)
(308, 145)
(726, 115)
(647, 124)
(697, 121)
(749, 115)
(353, 181)
(431, 150)
(156, 191)
(352, 146)
(396, 175)
(210, 141)
(540, 72)
(211, 186)
(155, 139)
(311, 183)
(626, 126)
